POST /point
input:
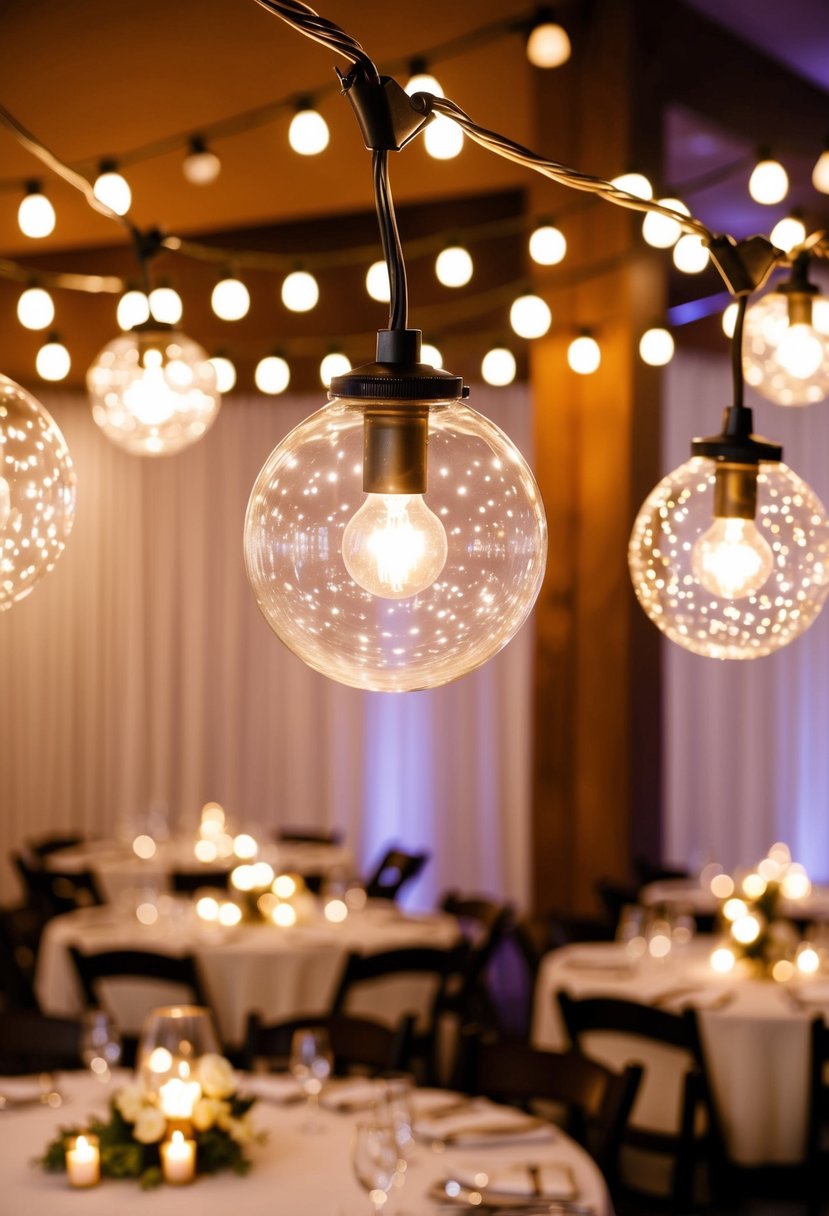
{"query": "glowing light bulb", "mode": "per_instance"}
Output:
(35, 215)
(656, 347)
(133, 309)
(431, 355)
(308, 133)
(690, 255)
(820, 173)
(548, 245)
(498, 366)
(746, 929)
(548, 45)
(332, 365)
(661, 231)
(633, 183)
(200, 166)
(584, 355)
(453, 266)
(272, 375)
(111, 189)
(722, 885)
(732, 560)
(788, 232)
(423, 82)
(722, 960)
(230, 299)
(35, 308)
(394, 546)
(786, 346)
(52, 361)
(443, 138)
(377, 282)
(800, 352)
(166, 305)
(530, 316)
(225, 373)
(300, 291)
(769, 182)
(729, 319)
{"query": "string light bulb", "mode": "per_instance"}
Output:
(35, 308)
(112, 189)
(690, 255)
(272, 375)
(201, 166)
(230, 299)
(786, 347)
(53, 361)
(820, 173)
(396, 539)
(656, 347)
(530, 316)
(334, 364)
(153, 391)
(133, 309)
(35, 215)
(788, 232)
(548, 245)
(37, 493)
(453, 266)
(548, 44)
(633, 183)
(165, 305)
(377, 282)
(300, 291)
(769, 181)
(421, 80)
(430, 354)
(584, 355)
(498, 366)
(225, 371)
(443, 138)
(308, 133)
(660, 231)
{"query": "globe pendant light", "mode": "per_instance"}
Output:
(153, 390)
(786, 348)
(382, 569)
(37, 493)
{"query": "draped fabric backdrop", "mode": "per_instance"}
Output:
(746, 751)
(140, 672)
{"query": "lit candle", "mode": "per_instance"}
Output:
(178, 1159)
(178, 1097)
(83, 1161)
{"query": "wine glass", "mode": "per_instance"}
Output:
(376, 1160)
(100, 1044)
(310, 1064)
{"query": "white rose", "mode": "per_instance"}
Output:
(150, 1125)
(240, 1130)
(208, 1111)
(130, 1101)
(216, 1076)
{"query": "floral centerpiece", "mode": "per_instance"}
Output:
(132, 1137)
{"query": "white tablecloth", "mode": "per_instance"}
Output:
(279, 972)
(687, 893)
(293, 1172)
(756, 1044)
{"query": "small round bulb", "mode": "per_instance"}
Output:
(225, 373)
(113, 190)
(548, 45)
(431, 355)
(584, 355)
(394, 546)
(820, 173)
(52, 361)
(36, 215)
(800, 352)
(690, 255)
(200, 166)
(769, 182)
(272, 375)
(443, 138)
(661, 231)
(548, 245)
(633, 183)
(498, 366)
(786, 347)
(333, 365)
(377, 282)
(230, 299)
(453, 266)
(308, 133)
(731, 559)
(300, 291)
(530, 316)
(423, 82)
(35, 308)
(133, 309)
(656, 347)
(788, 232)
(166, 305)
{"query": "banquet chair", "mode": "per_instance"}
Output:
(394, 870)
(696, 1136)
(186, 882)
(596, 1100)
(55, 892)
(484, 924)
(30, 1042)
(817, 1147)
(19, 935)
(358, 1044)
(42, 846)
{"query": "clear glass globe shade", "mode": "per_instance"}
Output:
(548, 46)
(35, 308)
(423, 82)
(633, 183)
(166, 305)
(584, 355)
(36, 216)
(300, 291)
(656, 347)
(485, 497)
(731, 559)
(548, 245)
(394, 546)
(788, 232)
(769, 183)
(530, 317)
(820, 173)
(133, 309)
(498, 366)
(660, 231)
(230, 300)
(443, 138)
(308, 133)
(334, 364)
(788, 364)
(52, 361)
(37, 493)
(690, 255)
(201, 168)
(272, 375)
(453, 266)
(154, 392)
(791, 520)
(225, 373)
(377, 282)
(113, 191)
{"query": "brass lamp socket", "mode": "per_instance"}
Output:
(394, 449)
(735, 490)
(800, 308)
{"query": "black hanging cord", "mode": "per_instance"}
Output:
(737, 376)
(303, 18)
(390, 239)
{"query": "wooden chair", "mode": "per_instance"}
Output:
(186, 882)
(19, 937)
(31, 1042)
(54, 892)
(42, 846)
(817, 1153)
(596, 1099)
(359, 1044)
(697, 1134)
(394, 870)
(484, 924)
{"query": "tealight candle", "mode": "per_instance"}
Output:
(178, 1159)
(178, 1097)
(83, 1161)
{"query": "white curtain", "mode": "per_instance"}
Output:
(141, 672)
(746, 751)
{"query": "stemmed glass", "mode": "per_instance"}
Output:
(376, 1159)
(100, 1044)
(396, 1108)
(310, 1064)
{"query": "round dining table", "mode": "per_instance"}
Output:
(281, 972)
(292, 1171)
(755, 1035)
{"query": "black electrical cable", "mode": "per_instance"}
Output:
(737, 376)
(390, 240)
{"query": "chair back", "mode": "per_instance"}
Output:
(186, 882)
(31, 1042)
(42, 846)
(394, 870)
(19, 935)
(309, 836)
(484, 924)
(54, 892)
(817, 1157)
(358, 1044)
